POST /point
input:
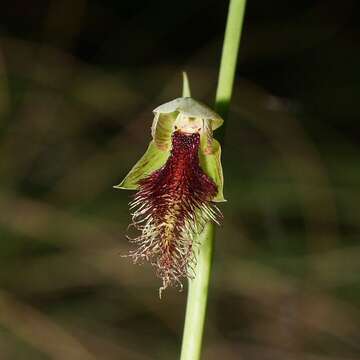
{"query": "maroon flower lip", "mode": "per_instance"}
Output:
(170, 208)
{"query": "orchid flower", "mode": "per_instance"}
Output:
(178, 181)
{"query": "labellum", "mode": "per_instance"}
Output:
(178, 181)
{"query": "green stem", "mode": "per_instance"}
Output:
(199, 286)
(229, 56)
(197, 298)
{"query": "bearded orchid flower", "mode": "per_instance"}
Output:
(178, 181)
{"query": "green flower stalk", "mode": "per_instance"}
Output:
(199, 287)
(178, 181)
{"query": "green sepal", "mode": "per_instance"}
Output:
(152, 160)
(211, 165)
(162, 129)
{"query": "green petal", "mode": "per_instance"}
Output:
(211, 164)
(152, 160)
(162, 129)
(186, 92)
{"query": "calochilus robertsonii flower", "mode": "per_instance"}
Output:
(178, 181)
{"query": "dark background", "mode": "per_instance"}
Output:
(78, 82)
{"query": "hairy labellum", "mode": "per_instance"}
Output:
(171, 207)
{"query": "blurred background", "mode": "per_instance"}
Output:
(78, 82)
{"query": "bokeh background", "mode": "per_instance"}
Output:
(78, 82)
